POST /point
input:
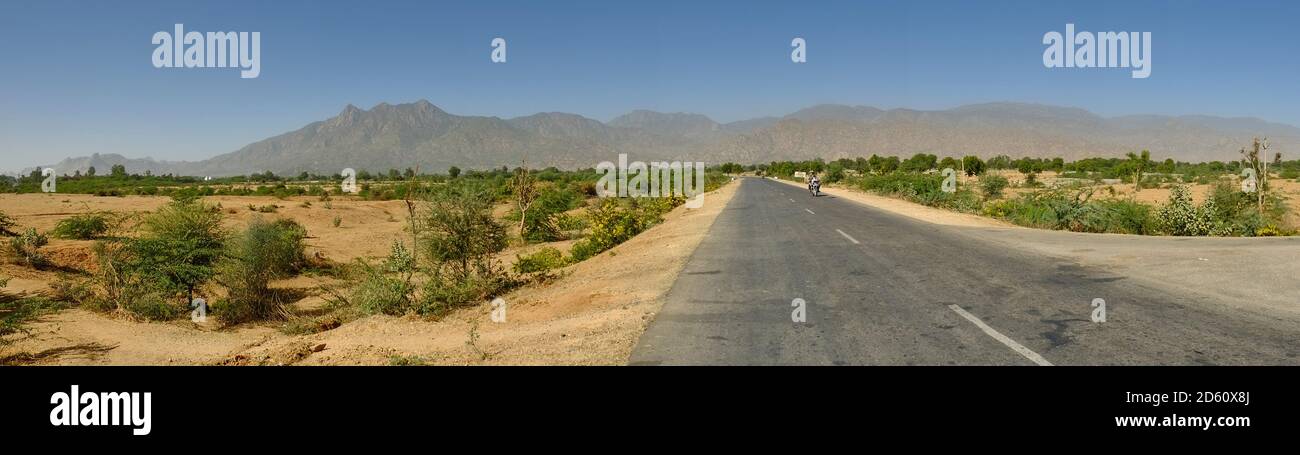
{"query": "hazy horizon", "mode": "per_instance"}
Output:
(607, 121)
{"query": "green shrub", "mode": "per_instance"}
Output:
(905, 184)
(71, 290)
(649, 211)
(570, 225)
(88, 226)
(7, 225)
(460, 238)
(992, 185)
(1075, 210)
(16, 312)
(178, 247)
(1181, 217)
(457, 238)
(584, 249)
(541, 223)
(611, 224)
(544, 259)
(441, 294)
(118, 287)
(1031, 180)
(1238, 214)
(263, 252)
(458, 233)
(924, 189)
(1121, 217)
(380, 292)
(26, 248)
(406, 361)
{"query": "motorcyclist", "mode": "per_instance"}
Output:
(814, 184)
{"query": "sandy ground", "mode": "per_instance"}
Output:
(366, 228)
(592, 315)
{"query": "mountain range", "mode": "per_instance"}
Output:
(421, 135)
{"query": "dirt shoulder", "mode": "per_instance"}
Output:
(592, 315)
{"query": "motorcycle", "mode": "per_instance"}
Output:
(815, 187)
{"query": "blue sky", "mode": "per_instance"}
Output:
(78, 77)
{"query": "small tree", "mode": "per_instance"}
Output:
(179, 246)
(453, 172)
(524, 187)
(972, 165)
(457, 231)
(545, 216)
(992, 185)
(1139, 163)
(263, 252)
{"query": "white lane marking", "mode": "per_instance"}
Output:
(1031, 355)
(792, 200)
(851, 239)
(810, 211)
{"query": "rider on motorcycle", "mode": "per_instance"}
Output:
(814, 184)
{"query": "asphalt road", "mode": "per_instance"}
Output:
(883, 289)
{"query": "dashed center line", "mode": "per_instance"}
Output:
(810, 211)
(791, 200)
(1031, 355)
(851, 239)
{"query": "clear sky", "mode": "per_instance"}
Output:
(77, 77)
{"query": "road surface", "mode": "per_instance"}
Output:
(883, 289)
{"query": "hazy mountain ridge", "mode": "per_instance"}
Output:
(421, 135)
